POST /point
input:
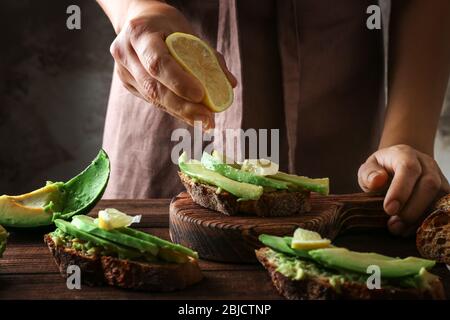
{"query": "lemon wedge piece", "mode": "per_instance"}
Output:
(306, 240)
(260, 167)
(199, 59)
(111, 218)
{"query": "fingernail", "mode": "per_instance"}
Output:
(372, 175)
(397, 226)
(392, 207)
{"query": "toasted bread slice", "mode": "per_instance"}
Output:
(270, 204)
(136, 275)
(317, 284)
(433, 236)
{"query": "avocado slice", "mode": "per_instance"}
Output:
(32, 209)
(321, 186)
(282, 245)
(244, 191)
(57, 200)
(341, 258)
(212, 163)
(122, 251)
(161, 243)
(3, 237)
(297, 268)
(86, 224)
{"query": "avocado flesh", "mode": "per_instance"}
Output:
(321, 186)
(3, 237)
(212, 163)
(123, 252)
(244, 191)
(32, 209)
(299, 269)
(161, 243)
(57, 200)
(86, 224)
(341, 258)
(282, 245)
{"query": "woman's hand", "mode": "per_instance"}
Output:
(412, 179)
(147, 69)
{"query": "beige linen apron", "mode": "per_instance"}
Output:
(309, 68)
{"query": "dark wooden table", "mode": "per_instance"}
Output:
(27, 270)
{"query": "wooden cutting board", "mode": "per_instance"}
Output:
(222, 238)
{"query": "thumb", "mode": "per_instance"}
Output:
(372, 176)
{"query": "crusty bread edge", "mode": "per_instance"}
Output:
(291, 203)
(319, 288)
(100, 270)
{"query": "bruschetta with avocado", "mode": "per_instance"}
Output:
(255, 186)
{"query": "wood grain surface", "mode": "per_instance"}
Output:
(27, 270)
(224, 238)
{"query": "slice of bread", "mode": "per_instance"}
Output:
(270, 204)
(319, 286)
(433, 236)
(136, 275)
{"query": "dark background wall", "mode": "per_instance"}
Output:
(54, 86)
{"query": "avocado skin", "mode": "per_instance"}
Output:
(341, 258)
(57, 199)
(87, 224)
(84, 190)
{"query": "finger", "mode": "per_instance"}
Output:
(372, 176)
(399, 228)
(127, 80)
(154, 91)
(223, 65)
(406, 170)
(159, 63)
(424, 193)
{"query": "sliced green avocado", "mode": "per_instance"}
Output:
(3, 237)
(159, 242)
(244, 191)
(57, 200)
(321, 186)
(86, 224)
(341, 258)
(282, 245)
(32, 209)
(212, 163)
(122, 251)
(297, 268)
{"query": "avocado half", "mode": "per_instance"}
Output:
(57, 200)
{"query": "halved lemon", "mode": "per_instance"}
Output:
(111, 218)
(306, 240)
(197, 58)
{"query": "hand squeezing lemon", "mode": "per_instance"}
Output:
(198, 59)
